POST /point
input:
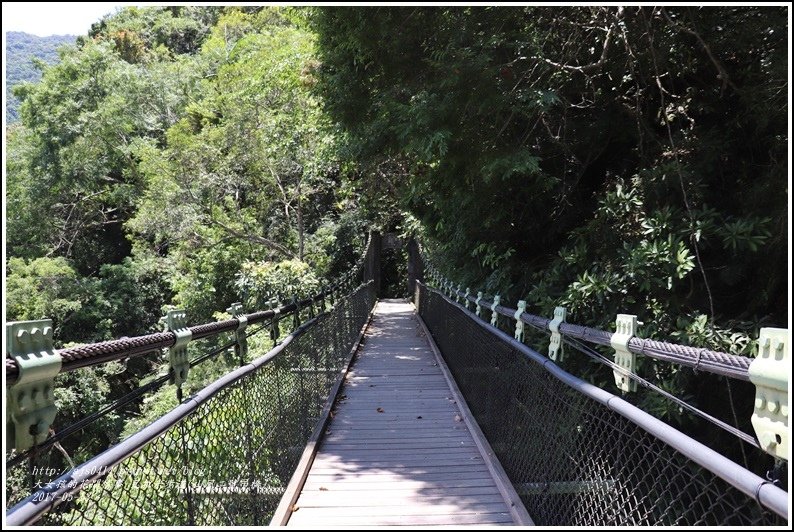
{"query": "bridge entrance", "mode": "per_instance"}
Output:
(394, 265)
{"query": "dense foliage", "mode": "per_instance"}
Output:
(25, 55)
(581, 155)
(607, 159)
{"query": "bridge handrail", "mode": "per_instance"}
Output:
(100, 352)
(764, 491)
(29, 510)
(698, 358)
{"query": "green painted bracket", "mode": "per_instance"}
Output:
(477, 303)
(466, 301)
(522, 307)
(296, 317)
(556, 352)
(178, 363)
(458, 293)
(770, 372)
(625, 330)
(494, 316)
(274, 328)
(236, 310)
(30, 406)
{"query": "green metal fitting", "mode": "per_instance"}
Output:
(466, 302)
(274, 329)
(477, 303)
(522, 307)
(30, 406)
(556, 352)
(770, 372)
(176, 322)
(459, 293)
(494, 315)
(625, 330)
(296, 317)
(241, 349)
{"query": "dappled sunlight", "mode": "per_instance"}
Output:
(397, 450)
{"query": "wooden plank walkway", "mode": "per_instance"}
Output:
(398, 449)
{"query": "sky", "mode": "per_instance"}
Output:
(54, 18)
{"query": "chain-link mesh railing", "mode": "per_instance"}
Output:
(225, 455)
(573, 454)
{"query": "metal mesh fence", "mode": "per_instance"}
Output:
(573, 460)
(223, 457)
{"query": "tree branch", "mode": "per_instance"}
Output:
(257, 239)
(722, 74)
(592, 67)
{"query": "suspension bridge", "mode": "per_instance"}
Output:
(429, 411)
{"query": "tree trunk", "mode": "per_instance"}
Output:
(299, 217)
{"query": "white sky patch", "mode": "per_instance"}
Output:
(53, 18)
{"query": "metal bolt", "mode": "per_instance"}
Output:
(767, 441)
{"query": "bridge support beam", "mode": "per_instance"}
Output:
(372, 266)
(416, 270)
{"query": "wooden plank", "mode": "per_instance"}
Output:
(389, 476)
(415, 407)
(459, 508)
(328, 484)
(391, 423)
(316, 519)
(423, 460)
(387, 491)
(356, 437)
(445, 444)
(375, 434)
(368, 414)
(321, 499)
(398, 468)
(420, 415)
(364, 454)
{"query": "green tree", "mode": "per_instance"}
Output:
(250, 171)
(643, 139)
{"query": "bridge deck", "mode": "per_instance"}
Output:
(398, 449)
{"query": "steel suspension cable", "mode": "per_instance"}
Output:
(126, 399)
(96, 353)
(592, 353)
(698, 358)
